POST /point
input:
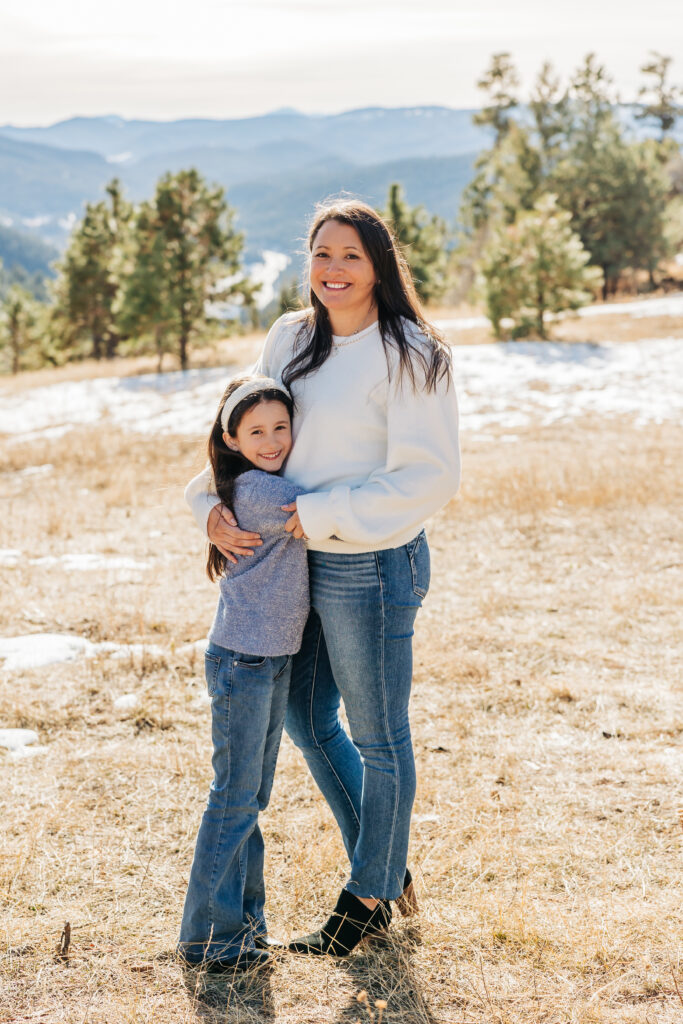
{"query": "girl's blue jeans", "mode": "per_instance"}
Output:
(225, 896)
(357, 647)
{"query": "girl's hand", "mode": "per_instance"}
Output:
(224, 532)
(293, 524)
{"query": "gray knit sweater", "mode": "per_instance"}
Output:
(264, 600)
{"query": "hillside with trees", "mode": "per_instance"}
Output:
(564, 200)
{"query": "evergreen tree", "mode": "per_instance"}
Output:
(89, 276)
(289, 298)
(550, 107)
(500, 83)
(617, 194)
(17, 326)
(660, 101)
(536, 265)
(423, 238)
(186, 253)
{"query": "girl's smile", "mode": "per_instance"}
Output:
(264, 436)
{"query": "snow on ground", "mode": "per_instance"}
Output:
(501, 387)
(20, 742)
(666, 305)
(35, 650)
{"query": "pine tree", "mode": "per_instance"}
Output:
(660, 101)
(89, 277)
(536, 265)
(500, 82)
(18, 311)
(186, 253)
(423, 239)
(550, 107)
(616, 193)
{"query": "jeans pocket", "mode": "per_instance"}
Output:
(212, 665)
(249, 660)
(420, 567)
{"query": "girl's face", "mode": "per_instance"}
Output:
(342, 275)
(264, 436)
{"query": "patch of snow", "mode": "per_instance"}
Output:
(120, 158)
(665, 305)
(266, 274)
(38, 649)
(46, 467)
(126, 701)
(9, 557)
(119, 651)
(16, 740)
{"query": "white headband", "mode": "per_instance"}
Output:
(252, 387)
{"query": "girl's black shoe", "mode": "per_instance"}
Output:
(351, 922)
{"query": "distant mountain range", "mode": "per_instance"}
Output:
(274, 167)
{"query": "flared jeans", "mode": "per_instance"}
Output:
(357, 647)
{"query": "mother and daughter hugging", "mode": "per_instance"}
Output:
(329, 456)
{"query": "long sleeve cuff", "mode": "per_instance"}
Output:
(316, 515)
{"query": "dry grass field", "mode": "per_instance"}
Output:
(548, 729)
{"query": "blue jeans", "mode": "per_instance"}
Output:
(357, 647)
(225, 896)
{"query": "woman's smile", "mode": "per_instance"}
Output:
(342, 276)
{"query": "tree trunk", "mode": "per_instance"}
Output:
(111, 344)
(183, 350)
(97, 346)
(15, 342)
(158, 341)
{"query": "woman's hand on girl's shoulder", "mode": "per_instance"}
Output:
(224, 532)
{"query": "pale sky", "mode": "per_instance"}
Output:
(205, 58)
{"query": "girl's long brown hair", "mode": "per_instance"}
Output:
(395, 296)
(227, 464)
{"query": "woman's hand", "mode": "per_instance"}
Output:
(293, 524)
(224, 532)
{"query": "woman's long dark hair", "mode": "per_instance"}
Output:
(227, 464)
(395, 296)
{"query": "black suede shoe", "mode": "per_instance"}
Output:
(351, 922)
(246, 960)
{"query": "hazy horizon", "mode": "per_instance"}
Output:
(246, 58)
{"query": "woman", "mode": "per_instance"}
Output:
(376, 451)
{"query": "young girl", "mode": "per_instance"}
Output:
(262, 610)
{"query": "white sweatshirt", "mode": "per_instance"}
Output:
(375, 456)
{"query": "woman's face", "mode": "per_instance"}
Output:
(342, 275)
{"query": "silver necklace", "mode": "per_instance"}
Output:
(349, 340)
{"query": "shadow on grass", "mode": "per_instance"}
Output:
(213, 996)
(385, 972)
